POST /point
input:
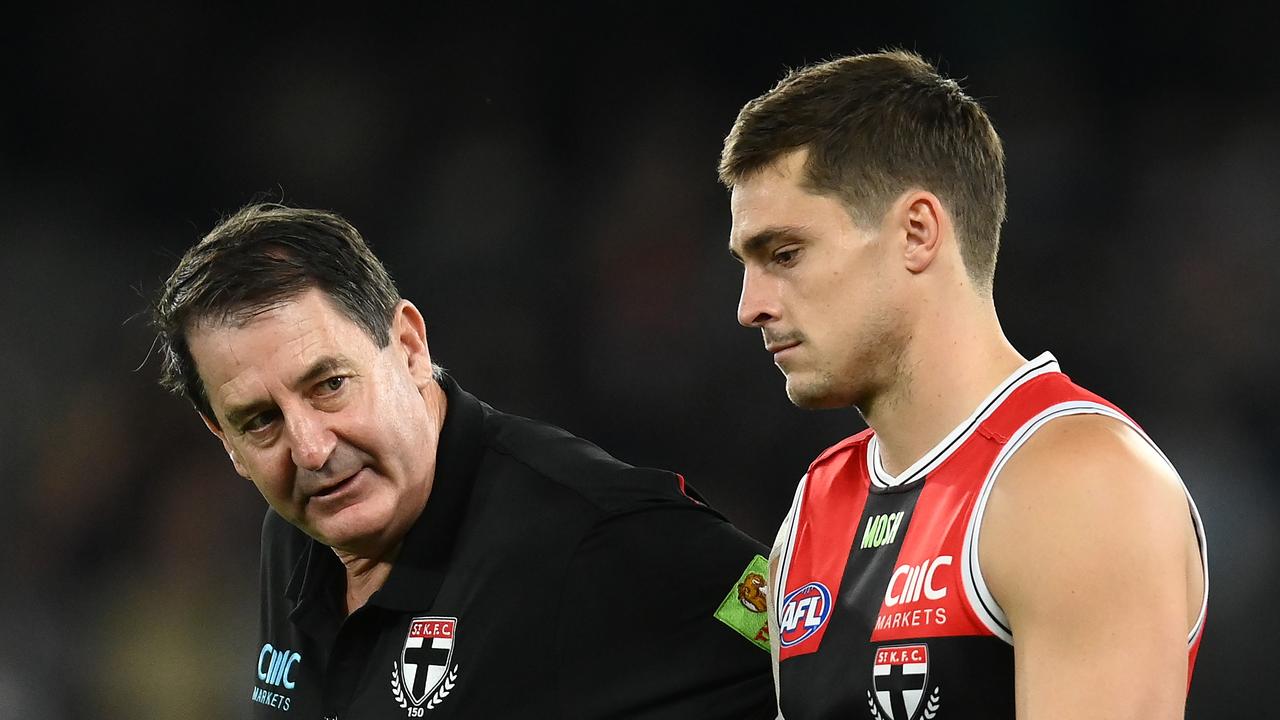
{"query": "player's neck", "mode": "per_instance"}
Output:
(953, 363)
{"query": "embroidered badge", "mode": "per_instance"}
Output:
(900, 676)
(421, 679)
(744, 608)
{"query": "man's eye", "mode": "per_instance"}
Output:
(334, 384)
(258, 422)
(786, 256)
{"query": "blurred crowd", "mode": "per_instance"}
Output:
(542, 185)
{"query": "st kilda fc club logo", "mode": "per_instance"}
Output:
(900, 676)
(422, 679)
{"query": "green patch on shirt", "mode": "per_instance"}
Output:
(745, 607)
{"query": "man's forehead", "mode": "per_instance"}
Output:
(750, 205)
(772, 197)
(275, 346)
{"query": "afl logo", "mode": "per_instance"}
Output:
(804, 610)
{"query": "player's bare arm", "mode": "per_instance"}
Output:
(1089, 547)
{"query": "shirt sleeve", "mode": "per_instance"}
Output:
(637, 634)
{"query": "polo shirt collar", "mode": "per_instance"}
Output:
(420, 567)
(423, 561)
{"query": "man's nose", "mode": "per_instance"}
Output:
(312, 440)
(756, 305)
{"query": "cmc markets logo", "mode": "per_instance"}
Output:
(804, 610)
(275, 667)
(916, 579)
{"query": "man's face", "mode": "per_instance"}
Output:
(334, 431)
(822, 290)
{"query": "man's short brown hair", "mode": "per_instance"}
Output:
(258, 259)
(875, 126)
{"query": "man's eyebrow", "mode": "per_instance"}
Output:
(756, 244)
(321, 367)
(238, 415)
(318, 369)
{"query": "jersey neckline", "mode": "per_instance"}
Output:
(882, 479)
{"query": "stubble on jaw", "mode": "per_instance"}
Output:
(894, 388)
(877, 379)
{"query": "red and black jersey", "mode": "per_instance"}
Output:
(882, 611)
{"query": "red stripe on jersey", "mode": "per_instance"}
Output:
(822, 539)
(925, 595)
(1194, 650)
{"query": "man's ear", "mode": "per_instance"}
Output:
(222, 438)
(923, 222)
(409, 335)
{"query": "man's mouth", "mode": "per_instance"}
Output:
(335, 488)
(777, 349)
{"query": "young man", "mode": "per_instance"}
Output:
(426, 555)
(992, 504)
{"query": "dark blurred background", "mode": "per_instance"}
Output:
(541, 183)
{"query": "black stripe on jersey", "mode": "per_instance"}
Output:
(959, 437)
(835, 678)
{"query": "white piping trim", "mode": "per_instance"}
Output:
(783, 548)
(976, 590)
(1043, 364)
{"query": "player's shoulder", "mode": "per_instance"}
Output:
(1100, 445)
(1088, 463)
(547, 453)
(1089, 491)
(842, 451)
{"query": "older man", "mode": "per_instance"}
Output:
(423, 552)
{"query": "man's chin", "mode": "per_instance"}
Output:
(349, 530)
(812, 396)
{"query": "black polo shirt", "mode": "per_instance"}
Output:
(544, 579)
